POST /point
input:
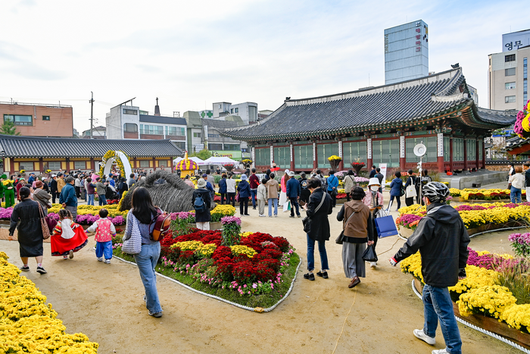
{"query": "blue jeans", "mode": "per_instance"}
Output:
(437, 305)
(253, 194)
(146, 261)
(515, 195)
(90, 200)
(275, 202)
(311, 254)
(102, 199)
(104, 248)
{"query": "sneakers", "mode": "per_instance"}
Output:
(429, 340)
(291, 216)
(107, 261)
(323, 274)
(24, 268)
(440, 351)
(100, 259)
(65, 258)
(263, 216)
(155, 314)
(373, 265)
(309, 276)
(71, 254)
(41, 270)
(354, 282)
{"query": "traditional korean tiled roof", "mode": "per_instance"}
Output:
(31, 147)
(516, 142)
(391, 106)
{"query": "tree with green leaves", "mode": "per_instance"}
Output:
(203, 154)
(9, 128)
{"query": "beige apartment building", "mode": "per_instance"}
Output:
(508, 79)
(34, 119)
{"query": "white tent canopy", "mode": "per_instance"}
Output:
(219, 161)
(197, 160)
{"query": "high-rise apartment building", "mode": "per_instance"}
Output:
(406, 52)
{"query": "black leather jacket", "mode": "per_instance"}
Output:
(442, 239)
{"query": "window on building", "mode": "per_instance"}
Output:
(180, 144)
(213, 135)
(54, 165)
(471, 147)
(509, 57)
(196, 135)
(282, 157)
(432, 149)
(151, 129)
(263, 156)
(447, 149)
(215, 146)
(144, 163)
(19, 119)
(130, 111)
(175, 131)
(480, 143)
(509, 86)
(79, 165)
(353, 152)
(386, 151)
(509, 99)
(45, 117)
(130, 127)
(458, 149)
(232, 147)
(237, 110)
(509, 72)
(323, 152)
(28, 166)
(231, 110)
(303, 156)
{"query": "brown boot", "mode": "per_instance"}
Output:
(354, 282)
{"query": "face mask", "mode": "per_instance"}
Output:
(374, 188)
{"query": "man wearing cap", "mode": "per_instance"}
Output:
(293, 192)
(31, 178)
(53, 188)
(68, 198)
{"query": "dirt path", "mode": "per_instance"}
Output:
(378, 316)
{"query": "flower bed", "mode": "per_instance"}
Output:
(482, 194)
(28, 324)
(473, 216)
(496, 286)
(251, 269)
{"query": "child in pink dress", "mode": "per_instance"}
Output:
(105, 230)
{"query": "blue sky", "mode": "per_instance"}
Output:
(191, 54)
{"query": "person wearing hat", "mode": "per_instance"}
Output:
(358, 231)
(42, 197)
(293, 192)
(244, 193)
(21, 183)
(202, 217)
(31, 178)
(374, 201)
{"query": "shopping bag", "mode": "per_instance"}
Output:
(411, 191)
(386, 226)
(289, 205)
(369, 254)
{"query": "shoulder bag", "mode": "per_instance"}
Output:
(133, 244)
(307, 221)
(411, 189)
(339, 240)
(43, 224)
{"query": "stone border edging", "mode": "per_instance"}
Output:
(256, 309)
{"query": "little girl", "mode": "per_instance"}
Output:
(105, 230)
(68, 237)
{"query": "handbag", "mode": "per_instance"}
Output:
(307, 221)
(385, 226)
(133, 244)
(369, 254)
(339, 240)
(411, 191)
(43, 224)
(237, 197)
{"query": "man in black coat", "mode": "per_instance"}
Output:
(53, 188)
(442, 239)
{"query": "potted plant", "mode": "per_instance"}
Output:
(334, 161)
(357, 166)
(229, 166)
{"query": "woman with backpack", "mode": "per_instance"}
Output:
(142, 214)
(201, 200)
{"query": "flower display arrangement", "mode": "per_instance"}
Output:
(256, 272)
(246, 162)
(28, 324)
(520, 244)
(229, 166)
(112, 154)
(334, 161)
(522, 123)
(496, 286)
(475, 215)
(48, 171)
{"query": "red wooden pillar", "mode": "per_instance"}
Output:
(291, 151)
(451, 167)
(440, 154)
(402, 150)
(41, 165)
(465, 153)
(67, 165)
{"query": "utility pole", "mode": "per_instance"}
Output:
(91, 113)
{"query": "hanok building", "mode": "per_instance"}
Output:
(34, 154)
(378, 125)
